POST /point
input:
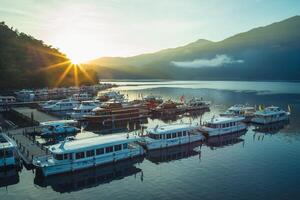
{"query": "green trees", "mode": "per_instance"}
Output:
(25, 62)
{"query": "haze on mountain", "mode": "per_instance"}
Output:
(264, 53)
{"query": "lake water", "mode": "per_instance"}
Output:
(260, 164)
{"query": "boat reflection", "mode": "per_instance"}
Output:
(172, 118)
(9, 176)
(225, 140)
(173, 153)
(92, 177)
(270, 128)
(118, 126)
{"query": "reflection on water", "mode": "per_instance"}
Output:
(173, 153)
(238, 166)
(270, 128)
(92, 177)
(225, 140)
(9, 177)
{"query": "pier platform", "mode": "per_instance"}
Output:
(28, 148)
(34, 115)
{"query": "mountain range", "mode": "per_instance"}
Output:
(271, 52)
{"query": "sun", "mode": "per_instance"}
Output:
(76, 61)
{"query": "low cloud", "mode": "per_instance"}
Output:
(217, 61)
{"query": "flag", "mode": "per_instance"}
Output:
(289, 108)
(260, 108)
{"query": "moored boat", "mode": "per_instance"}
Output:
(73, 155)
(111, 95)
(270, 115)
(196, 104)
(8, 151)
(152, 101)
(58, 128)
(113, 112)
(84, 108)
(62, 105)
(240, 111)
(168, 108)
(171, 135)
(218, 126)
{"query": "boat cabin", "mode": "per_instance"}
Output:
(170, 131)
(92, 147)
(223, 122)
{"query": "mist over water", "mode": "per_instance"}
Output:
(262, 163)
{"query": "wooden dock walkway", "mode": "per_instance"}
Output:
(28, 148)
(34, 115)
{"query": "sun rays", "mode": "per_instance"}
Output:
(77, 68)
(67, 71)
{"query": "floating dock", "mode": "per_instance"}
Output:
(28, 148)
(34, 115)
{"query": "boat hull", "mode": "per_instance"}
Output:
(259, 120)
(6, 162)
(161, 144)
(226, 131)
(89, 162)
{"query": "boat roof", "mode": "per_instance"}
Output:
(221, 120)
(92, 142)
(6, 142)
(272, 110)
(165, 129)
(57, 122)
(241, 107)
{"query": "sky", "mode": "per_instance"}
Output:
(87, 29)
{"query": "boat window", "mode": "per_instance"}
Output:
(65, 156)
(179, 134)
(125, 146)
(109, 149)
(90, 153)
(118, 147)
(184, 133)
(154, 136)
(79, 155)
(6, 153)
(58, 156)
(1, 153)
(173, 135)
(169, 136)
(100, 151)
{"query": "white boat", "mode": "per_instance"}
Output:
(240, 111)
(8, 151)
(7, 100)
(85, 108)
(197, 104)
(25, 95)
(171, 135)
(55, 128)
(72, 155)
(223, 125)
(270, 115)
(48, 103)
(81, 97)
(63, 105)
(111, 95)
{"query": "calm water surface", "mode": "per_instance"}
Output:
(260, 164)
